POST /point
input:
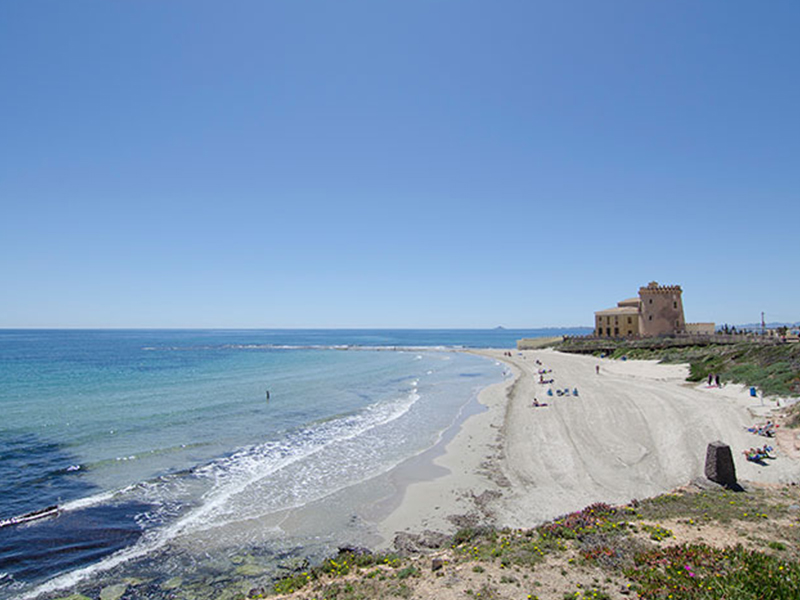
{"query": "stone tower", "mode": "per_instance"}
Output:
(661, 310)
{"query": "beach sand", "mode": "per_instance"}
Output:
(635, 430)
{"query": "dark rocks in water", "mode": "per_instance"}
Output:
(416, 543)
(50, 511)
(719, 464)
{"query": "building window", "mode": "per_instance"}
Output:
(608, 331)
(651, 300)
(674, 305)
(650, 318)
(630, 321)
(616, 331)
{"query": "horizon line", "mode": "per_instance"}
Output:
(331, 328)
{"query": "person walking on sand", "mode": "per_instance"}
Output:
(597, 369)
(716, 380)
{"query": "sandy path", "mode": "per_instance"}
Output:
(637, 429)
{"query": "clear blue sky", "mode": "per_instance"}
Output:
(436, 163)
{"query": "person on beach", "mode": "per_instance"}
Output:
(716, 380)
(597, 369)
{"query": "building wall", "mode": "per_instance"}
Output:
(599, 325)
(616, 325)
(700, 328)
(662, 310)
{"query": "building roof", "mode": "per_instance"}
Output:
(630, 302)
(619, 310)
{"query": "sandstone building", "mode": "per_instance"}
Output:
(657, 311)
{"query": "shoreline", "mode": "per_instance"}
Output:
(336, 517)
(465, 465)
(637, 429)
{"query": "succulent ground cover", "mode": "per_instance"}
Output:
(693, 543)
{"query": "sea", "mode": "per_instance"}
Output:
(207, 460)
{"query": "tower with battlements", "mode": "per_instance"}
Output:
(661, 310)
(657, 311)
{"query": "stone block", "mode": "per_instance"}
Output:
(719, 464)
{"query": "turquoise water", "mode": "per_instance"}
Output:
(151, 441)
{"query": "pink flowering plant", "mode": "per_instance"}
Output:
(700, 572)
(594, 518)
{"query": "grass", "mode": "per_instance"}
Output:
(714, 506)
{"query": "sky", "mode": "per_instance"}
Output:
(424, 163)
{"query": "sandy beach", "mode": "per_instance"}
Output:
(635, 429)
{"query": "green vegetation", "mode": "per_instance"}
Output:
(341, 566)
(657, 532)
(700, 572)
(718, 506)
(653, 549)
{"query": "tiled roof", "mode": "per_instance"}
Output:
(619, 310)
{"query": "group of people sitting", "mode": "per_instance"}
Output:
(767, 430)
(564, 392)
(758, 454)
(542, 381)
(542, 373)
